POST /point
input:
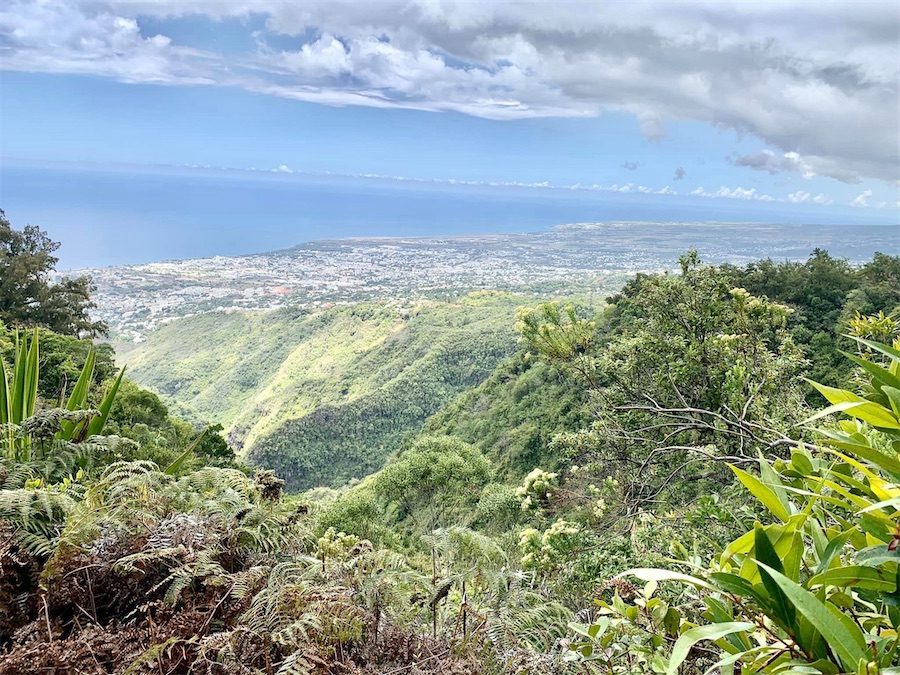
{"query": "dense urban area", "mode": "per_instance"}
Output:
(134, 300)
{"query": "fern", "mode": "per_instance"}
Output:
(301, 662)
(528, 619)
(37, 517)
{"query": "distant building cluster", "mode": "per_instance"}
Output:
(137, 299)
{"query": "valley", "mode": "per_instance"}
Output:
(325, 395)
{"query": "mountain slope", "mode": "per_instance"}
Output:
(324, 396)
(513, 415)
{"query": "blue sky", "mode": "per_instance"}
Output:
(759, 101)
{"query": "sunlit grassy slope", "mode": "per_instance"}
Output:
(324, 396)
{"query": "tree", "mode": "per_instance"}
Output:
(29, 298)
(438, 473)
(212, 446)
(693, 372)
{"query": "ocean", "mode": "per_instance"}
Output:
(119, 216)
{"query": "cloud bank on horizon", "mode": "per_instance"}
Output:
(817, 82)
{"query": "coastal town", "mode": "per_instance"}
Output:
(134, 300)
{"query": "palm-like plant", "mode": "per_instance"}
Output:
(19, 399)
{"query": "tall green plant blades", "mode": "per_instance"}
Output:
(5, 395)
(99, 421)
(78, 400)
(18, 392)
(179, 461)
(25, 379)
(79, 394)
(30, 386)
(6, 408)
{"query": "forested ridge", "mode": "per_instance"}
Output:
(324, 396)
(698, 477)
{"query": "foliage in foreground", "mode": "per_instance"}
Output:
(813, 591)
(140, 570)
(27, 435)
(439, 564)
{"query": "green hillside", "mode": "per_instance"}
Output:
(324, 396)
(513, 415)
(665, 438)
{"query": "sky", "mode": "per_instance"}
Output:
(783, 102)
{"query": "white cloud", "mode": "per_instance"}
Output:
(733, 193)
(816, 81)
(736, 193)
(862, 200)
(803, 197)
(615, 187)
(666, 191)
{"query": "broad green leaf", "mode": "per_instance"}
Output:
(781, 606)
(738, 585)
(859, 502)
(889, 464)
(876, 371)
(893, 600)
(801, 462)
(763, 493)
(893, 501)
(748, 656)
(876, 525)
(654, 574)
(772, 481)
(855, 406)
(878, 347)
(784, 539)
(691, 637)
(835, 546)
(742, 544)
(893, 395)
(815, 496)
(843, 636)
(856, 576)
(867, 411)
(877, 555)
(591, 631)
